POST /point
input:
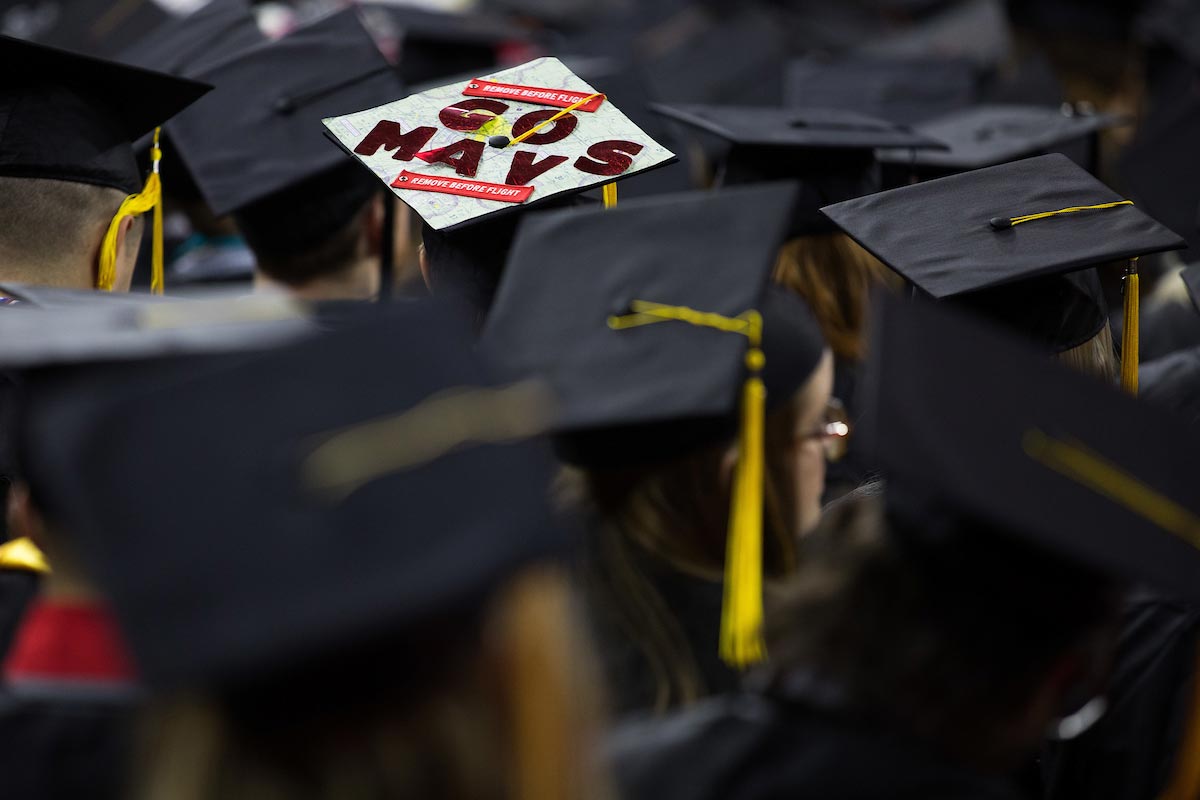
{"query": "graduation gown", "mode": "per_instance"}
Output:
(752, 747)
(1173, 382)
(67, 701)
(1130, 753)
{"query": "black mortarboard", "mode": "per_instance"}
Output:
(98, 28)
(903, 91)
(189, 45)
(435, 46)
(1026, 221)
(70, 117)
(974, 29)
(256, 146)
(830, 151)
(987, 135)
(651, 321)
(981, 428)
(305, 533)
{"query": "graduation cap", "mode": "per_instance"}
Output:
(1029, 220)
(900, 90)
(433, 46)
(99, 28)
(303, 533)
(830, 151)
(983, 428)
(655, 326)
(481, 147)
(189, 45)
(987, 135)
(255, 145)
(978, 30)
(74, 118)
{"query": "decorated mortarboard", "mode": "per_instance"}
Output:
(256, 147)
(69, 117)
(189, 45)
(1026, 221)
(285, 553)
(484, 146)
(987, 135)
(899, 90)
(830, 151)
(959, 412)
(654, 324)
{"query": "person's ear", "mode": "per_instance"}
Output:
(22, 517)
(129, 244)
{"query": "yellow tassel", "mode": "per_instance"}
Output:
(742, 642)
(23, 554)
(1185, 782)
(134, 205)
(1129, 334)
(610, 195)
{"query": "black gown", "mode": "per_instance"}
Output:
(752, 747)
(1173, 382)
(1130, 753)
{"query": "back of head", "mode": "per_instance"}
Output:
(313, 229)
(924, 625)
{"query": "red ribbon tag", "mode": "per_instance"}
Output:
(558, 98)
(480, 190)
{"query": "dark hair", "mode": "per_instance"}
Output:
(943, 629)
(466, 264)
(311, 229)
(42, 220)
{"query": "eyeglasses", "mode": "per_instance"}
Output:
(834, 432)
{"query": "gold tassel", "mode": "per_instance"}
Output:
(610, 195)
(134, 205)
(1185, 781)
(23, 554)
(1129, 333)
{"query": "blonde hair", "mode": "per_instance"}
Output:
(520, 725)
(1096, 356)
(835, 276)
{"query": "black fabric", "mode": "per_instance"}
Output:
(996, 427)
(191, 44)
(748, 747)
(67, 743)
(1131, 752)
(1173, 382)
(987, 135)
(570, 271)
(939, 236)
(68, 117)
(259, 132)
(18, 587)
(900, 90)
(1167, 327)
(262, 573)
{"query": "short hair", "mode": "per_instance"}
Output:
(45, 223)
(312, 229)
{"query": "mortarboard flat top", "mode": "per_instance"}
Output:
(437, 149)
(959, 413)
(939, 234)
(260, 131)
(289, 553)
(984, 136)
(74, 118)
(570, 271)
(797, 128)
(903, 91)
(189, 45)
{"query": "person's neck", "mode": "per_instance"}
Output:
(359, 281)
(57, 276)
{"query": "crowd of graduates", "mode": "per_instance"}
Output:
(534, 400)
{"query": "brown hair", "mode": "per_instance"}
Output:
(514, 719)
(672, 516)
(835, 276)
(926, 631)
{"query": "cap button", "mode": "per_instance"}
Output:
(499, 142)
(1000, 223)
(284, 105)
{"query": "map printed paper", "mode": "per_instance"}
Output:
(438, 150)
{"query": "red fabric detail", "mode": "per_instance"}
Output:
(68, 642)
